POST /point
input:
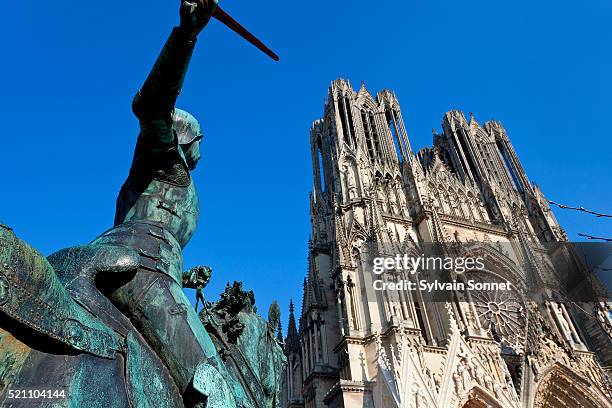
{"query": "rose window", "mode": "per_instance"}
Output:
(500, 311)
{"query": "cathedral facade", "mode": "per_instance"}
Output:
(352, 346)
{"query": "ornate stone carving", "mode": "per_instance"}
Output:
(501, 314)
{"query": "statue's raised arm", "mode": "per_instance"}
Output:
(159, 187)
(156, 99)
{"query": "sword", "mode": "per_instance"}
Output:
(235, 26)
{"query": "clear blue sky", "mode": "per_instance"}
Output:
(70, 68)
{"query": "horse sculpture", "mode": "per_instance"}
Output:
(64, 344)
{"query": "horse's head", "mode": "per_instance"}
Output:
(249, 342)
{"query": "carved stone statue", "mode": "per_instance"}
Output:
(350, 181)
(402, 198)
(365, 175)
(392, 197)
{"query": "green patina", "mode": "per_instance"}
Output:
(14, 355)
(243, 364)
(109, 322)
(248, 344)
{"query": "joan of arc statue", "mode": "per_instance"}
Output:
(157, 214)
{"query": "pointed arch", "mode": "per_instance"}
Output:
(478, 397)
(474, 206)
(346, 119)
(560, 387)
(496, 262)
(320, 165)
(374, 144)
(365, 101)
(481, 208)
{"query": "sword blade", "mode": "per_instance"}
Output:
(226, 19)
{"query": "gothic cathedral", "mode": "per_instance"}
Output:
(354, 347)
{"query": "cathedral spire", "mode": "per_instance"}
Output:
(292, 343)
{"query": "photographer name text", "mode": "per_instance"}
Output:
(434, 286)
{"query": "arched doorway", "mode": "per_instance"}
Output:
(479, 398)
(562, 388)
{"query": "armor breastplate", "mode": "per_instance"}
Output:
(174, 207)
(158, 249)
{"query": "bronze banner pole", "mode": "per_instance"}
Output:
(226, 19)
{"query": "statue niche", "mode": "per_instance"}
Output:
(350, 178)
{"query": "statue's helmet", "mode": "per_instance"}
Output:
(189, 134)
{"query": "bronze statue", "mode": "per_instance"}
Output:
(153, 347)
(54, 320)
(197, 278)
(157, 213)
